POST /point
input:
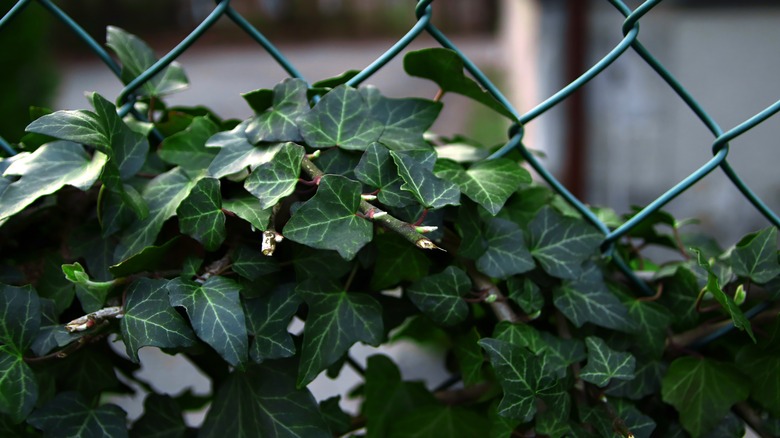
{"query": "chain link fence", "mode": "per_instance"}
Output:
(423, 10)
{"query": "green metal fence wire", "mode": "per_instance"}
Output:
(630, 29)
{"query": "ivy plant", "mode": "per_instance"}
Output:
(335, 207)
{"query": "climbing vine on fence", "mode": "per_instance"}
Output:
(332, 205)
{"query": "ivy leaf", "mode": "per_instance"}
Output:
(88, 372)
(702, 390)
(440, 296)
(263, 401)
(136, 57)
(561, 244)
(259, 100)
(337, 319)
(490, 183)
(397, 261)
(641, 425)
(763, 369)
(445, 67)
(388, 398)
(647, 380)
(237, 154)
(267, 319)
(436, 421)
(163, 194)
(520, 375)
(200, 214)
(150, 320)
(341, 118)
(419, 180)
(20, 310)
(328, 219)
(590, 300)
(69, 415)
(652, 321)
(18, 387)
(279, 123)
(311, 263)
(91, 294)
(469, 226)
(252, 264)
(526, 294)
(605, 364)
(45, 171)
(555, 420)
(188, 149)
(469, 356)
(149, 259)
(377, 170)
(713, 287)
(553, 354)
(272, 181)
(404, 120)
(506, 253)
(215, 313)
(247, 207)
(162, 419)
(755, 256)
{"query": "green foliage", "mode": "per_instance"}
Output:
(342, 214)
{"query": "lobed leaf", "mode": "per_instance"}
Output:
(267, 319)
(377, 170)
(755, 256)
(18, 386)
(506, 253)
(69, 415)
(490, 183)
(397, 261)
(237, 154)
(561, 244)
(605, 364)
(272, 181)
(278, 123)
(247, 207)
(404, 120)
(200, 214)
(430, 190)
(440, 296)
(215, 313)
(187, 148)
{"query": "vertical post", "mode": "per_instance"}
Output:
(575, 147)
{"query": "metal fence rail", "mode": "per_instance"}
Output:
(630, 29)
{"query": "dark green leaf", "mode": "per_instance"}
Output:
(500, 426)
(252, 264)
(680, 292)
(247, 207)
(53, 285)
(763, 369)
(755, 256)
(561, 244)
(430, 190)
(272, 181)
(150, 320)
(328, 220)
(590, 300)
(136, 57)
(445, 67)
(162, 419)
(703, 390)
(523, 206)
(18, 387)
(335, 81)
(652, 322)
(149, 259)
(469, 226)
(259, 100)
(469, 356)
(337, 319)
(635, 421)
(520, 375)
(279, 123)
(605, 364)
(507, 253)
(339, 422)
(377, 170)
(728, 304)
(237, 154)
(341, 118)
(92, 294)
(312, 263)
(69, 415)
(263, 401)
(404, 120)
(388, 398)
(88, 372)
(554, 354)
(526, 294)
(200, 214)
(491, 183)
(45, 171)
(187, 148)
(440, 296)
(267, 319)
(20, 317)
(555, 419)
(215, 313)
(729, 427)
(438, 421)
(647, 381)
(396, 261)
(163, 194)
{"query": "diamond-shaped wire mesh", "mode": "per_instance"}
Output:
(423, 10)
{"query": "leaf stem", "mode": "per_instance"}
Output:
(378, 215)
